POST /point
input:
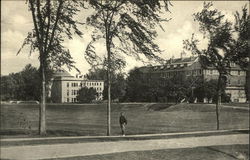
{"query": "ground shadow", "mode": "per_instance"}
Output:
(228, 154)
(158, 107)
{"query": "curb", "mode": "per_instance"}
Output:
(127, 136)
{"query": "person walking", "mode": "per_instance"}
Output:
(123, 123)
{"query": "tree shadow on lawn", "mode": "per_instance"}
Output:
(159, 106)
(233, 154)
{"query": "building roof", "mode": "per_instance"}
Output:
(170, 64)
(181, 60)
(62, 73)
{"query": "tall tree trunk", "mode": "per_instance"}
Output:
(247, 83)
(42, 111)
(109, 94)
(218, 101)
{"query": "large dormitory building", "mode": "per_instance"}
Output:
(191, 66)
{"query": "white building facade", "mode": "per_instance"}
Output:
(65, 87)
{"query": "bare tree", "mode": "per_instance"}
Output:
(127, 27)
(53, 22)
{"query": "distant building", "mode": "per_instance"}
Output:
(191, 66)
(65, 87)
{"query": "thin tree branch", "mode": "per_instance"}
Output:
(40, 22)
(48, 26)
(55, 25)
(35, 23)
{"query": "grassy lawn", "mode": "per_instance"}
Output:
(204, 153)
(73, 119)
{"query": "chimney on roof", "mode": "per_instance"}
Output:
(171, 59)
(183, 54)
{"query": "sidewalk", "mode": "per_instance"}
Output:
(64, 150)
(194, 133)
(236, 107)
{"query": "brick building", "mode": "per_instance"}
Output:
(191, 66)
(65, 87)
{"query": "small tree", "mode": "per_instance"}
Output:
(127, 27)
(86, 95)
(217, 53)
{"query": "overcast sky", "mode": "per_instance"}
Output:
(16, 22)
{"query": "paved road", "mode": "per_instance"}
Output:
(93, 148)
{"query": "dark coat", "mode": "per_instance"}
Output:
(123, 120)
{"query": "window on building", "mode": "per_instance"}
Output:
(67, 84)
(239, 81)
(200, 72)
(67, 92)
(67, 99)
(232, 64)
(207, 72)
(194, 72)
(211, 71)
(234, 72)
(72, 92)
(238, 72)
(72, 99)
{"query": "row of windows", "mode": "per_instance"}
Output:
(215, 72)
(73, 92)
(188, 73)
(240, 82)
(75, 99)
(237, 73)
(76, 84)
(211, 72)
(72, 100)
(195, 73)
(76, 92)
(171, 66)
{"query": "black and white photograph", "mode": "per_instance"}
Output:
(125, 80)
